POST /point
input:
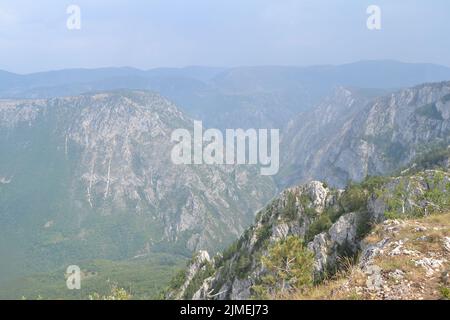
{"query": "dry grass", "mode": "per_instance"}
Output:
(420, 238)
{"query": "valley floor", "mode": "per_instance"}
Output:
(137, 279)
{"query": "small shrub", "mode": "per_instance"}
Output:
(289, 267)
(323, 223)
(263, 235)
(230, 251)
(290, 211)
(116, 294)
(445, 292)
(178, 280)
(354, 198)
(243, 265)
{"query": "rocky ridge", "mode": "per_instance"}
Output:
(333, 224)
(353, 134)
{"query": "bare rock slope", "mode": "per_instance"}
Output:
(91, 176)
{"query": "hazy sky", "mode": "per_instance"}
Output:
(154, 33)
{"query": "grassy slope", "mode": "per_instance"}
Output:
(422, 238)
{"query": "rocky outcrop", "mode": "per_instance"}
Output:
(352, 134)
(341, 239)
(196, 265)
(401, 259)
(333, 224)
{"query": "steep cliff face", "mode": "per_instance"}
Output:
(332, 224)
(352, 135)
(91, 176)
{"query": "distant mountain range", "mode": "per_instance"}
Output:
(245, 97)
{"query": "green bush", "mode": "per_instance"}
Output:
(323, 223)
(290, 210)
(263, 234)
(206, 271)
(354, 198)
(230, 251)
(374, 183)
(115, 294)
(243, 265)
(289, 267)
(178, 280)
(445, 292)
(306, 204)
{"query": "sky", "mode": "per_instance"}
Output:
(223, 33)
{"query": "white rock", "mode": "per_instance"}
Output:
(375, 280)
(447, 244)
(430, 265)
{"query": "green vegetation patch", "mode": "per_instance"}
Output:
(430, 111)
(142, 279)
(289, 267)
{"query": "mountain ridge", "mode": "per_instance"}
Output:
(244, 97)
(349, 136)
(96, 172)
(331, 226)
